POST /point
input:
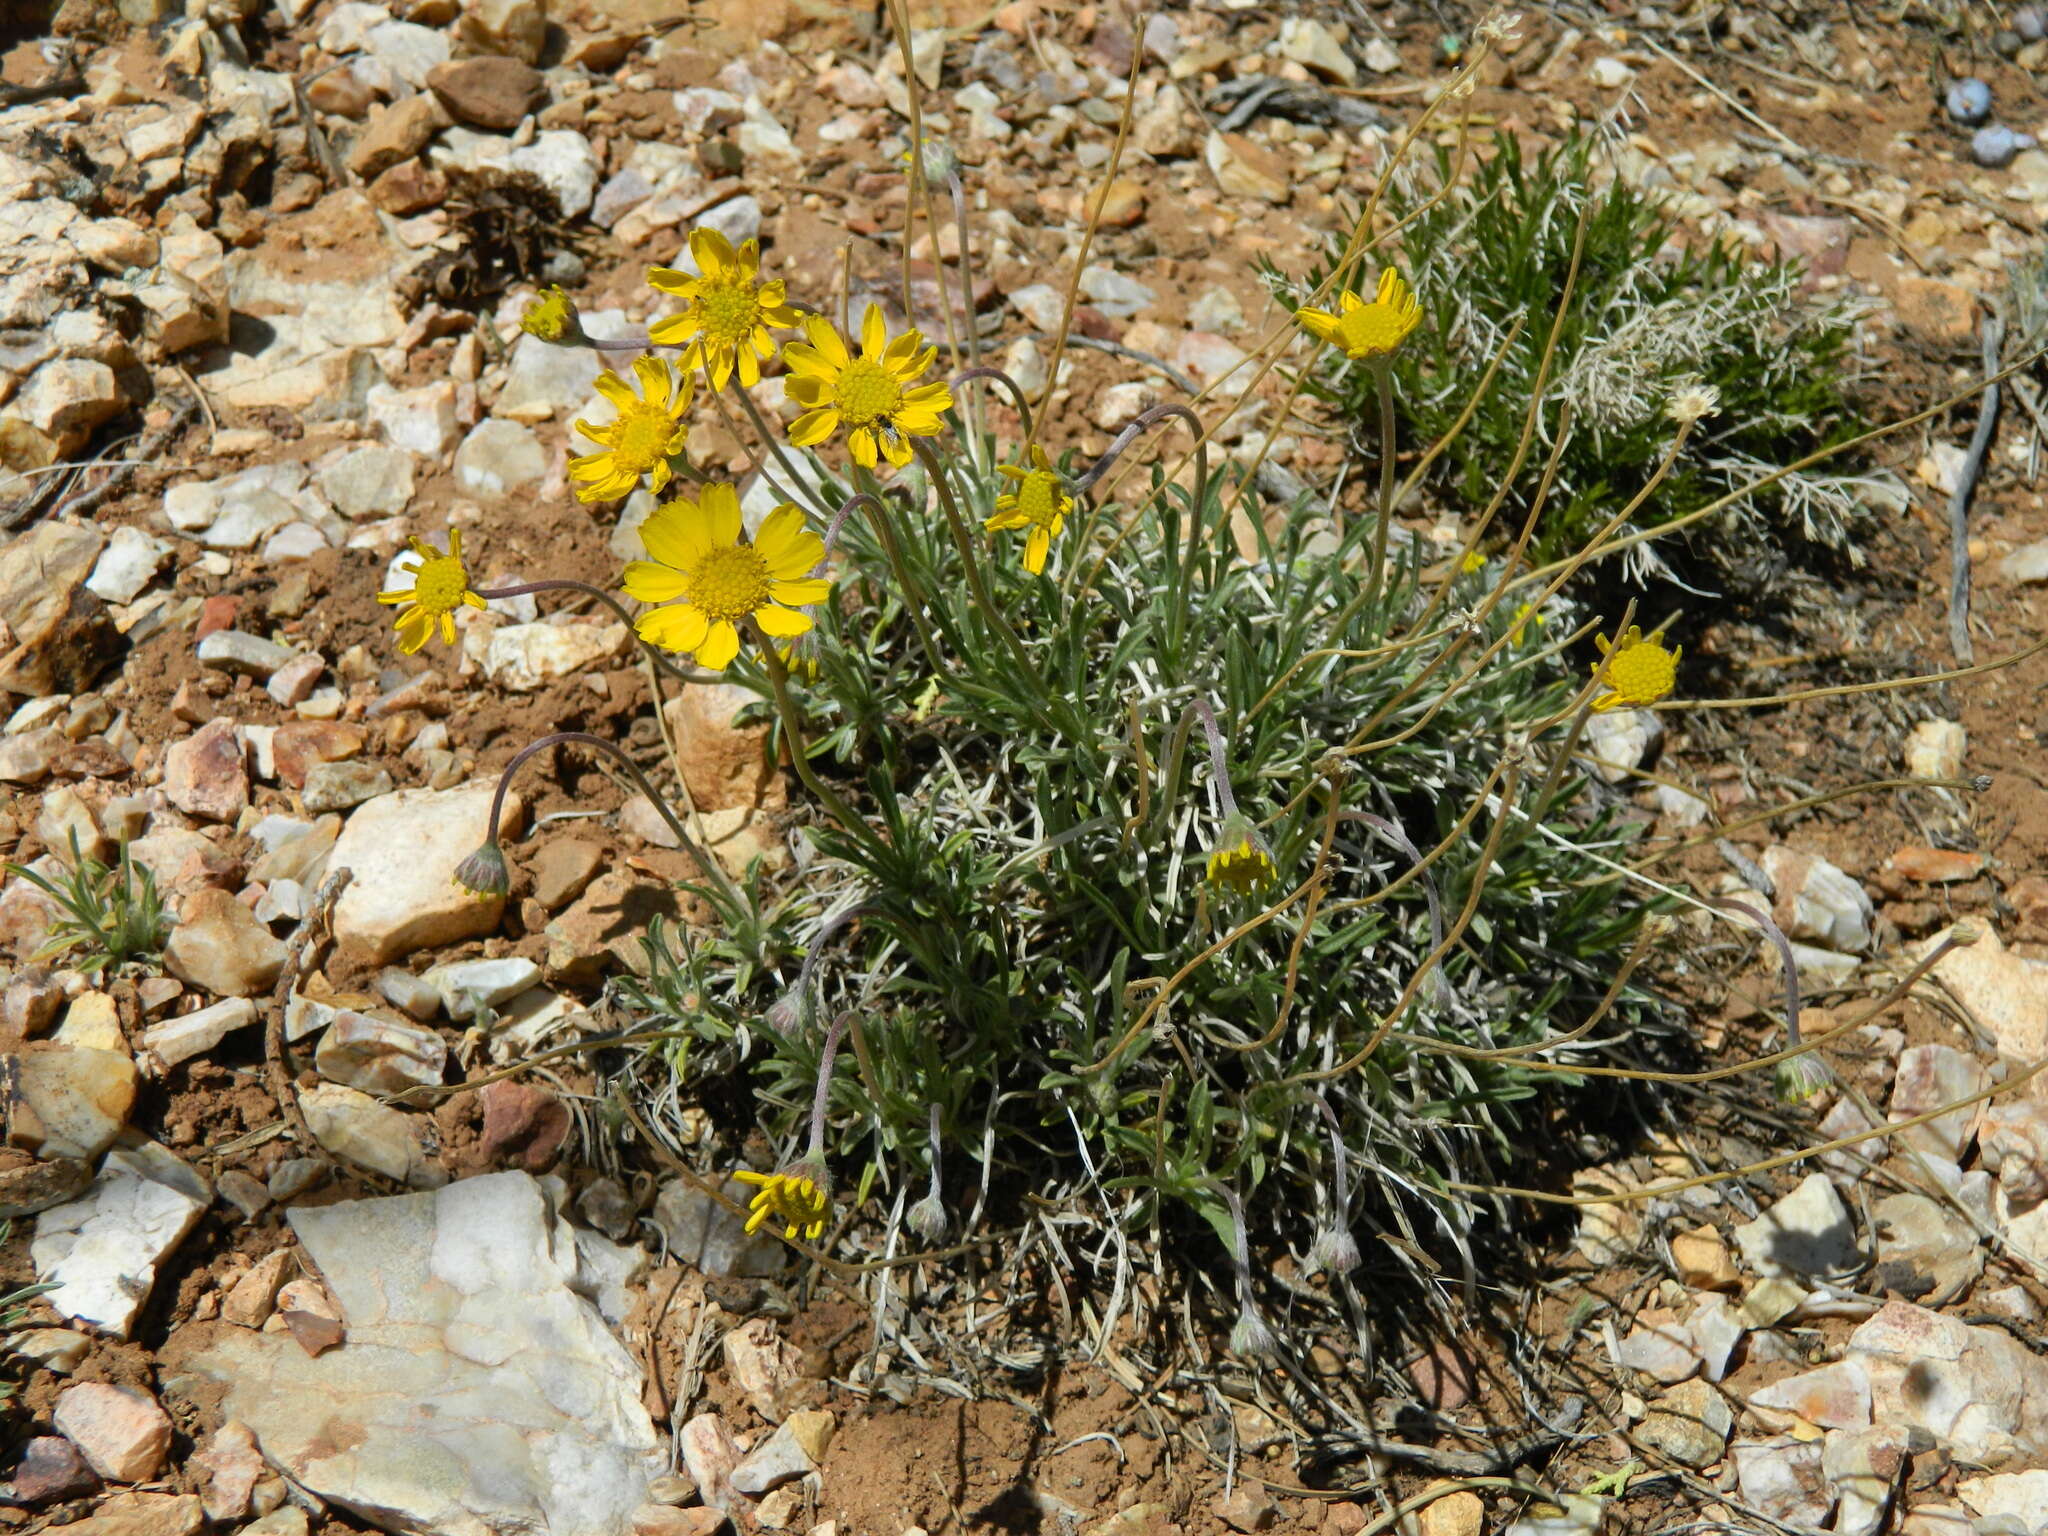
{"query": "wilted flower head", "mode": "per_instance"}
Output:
(796, 1198)
(1639, 670)
(1499, 28)
(1249, 1335)
(939, 160)
(1691, 401)
(484, 872)
(1800, 1078)
(1238, 859)
(1334, 1252)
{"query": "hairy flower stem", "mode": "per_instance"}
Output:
(965, 544)
(1336, 1250)
(799, 748)
(966, 266)
(557, 584)
(914, 602)
(1804, 1074)
(1251, 1336)
(703, 860)
(816, 1154)
(968, 375)
(1376, 583)
(1219, 765)
(772, 440)
(1392, 832)
(1184, 571)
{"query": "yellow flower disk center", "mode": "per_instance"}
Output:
(1642, 674)
(728, 311)
(1038, 497)
(439, 586)
(643, 436)
(868, 392)
(1370, 330)
(728, 583)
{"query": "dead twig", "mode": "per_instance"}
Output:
(87, 502)
(277, 1069)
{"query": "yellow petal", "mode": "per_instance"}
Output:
(614, 389)
(1035, 549)
(799, 591)
(781, 622)
(712, 250)
(787, 544)
(818, 330)
(654, 379)
(678, 627)
(718, 647)
(874, 332)
(721, 505)
(675, 330)
(815, 427)
(651, 583)
(676, 534)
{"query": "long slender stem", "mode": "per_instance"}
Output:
(1376, 583)
(1219, 767)
(913, 596)
(1016, 390)
(703, 860)
(823, 1092)
(773, 443)
(937, 473)
(799, 750)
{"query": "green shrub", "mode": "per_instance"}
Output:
(1041, 868)
(1648, 312)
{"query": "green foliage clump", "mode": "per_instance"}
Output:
(1020, 923)
(1648, 315)
(110, 915)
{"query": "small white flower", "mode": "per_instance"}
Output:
(1691, 401)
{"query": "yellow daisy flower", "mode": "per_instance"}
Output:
(1639, 671)
(796, 1198)
(1038, 501)
(1366, 330)
(1239, 861)
(639, 441)
(439, 586)
(869, 394)
(707, 578)
(729, 309)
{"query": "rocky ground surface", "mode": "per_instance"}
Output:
(260, 270)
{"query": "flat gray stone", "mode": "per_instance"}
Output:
(1806, 1233)
(102, 1249)
(476, 1392)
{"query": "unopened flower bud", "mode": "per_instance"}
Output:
(552, 317)
(927, 1219)
(1334, 1252)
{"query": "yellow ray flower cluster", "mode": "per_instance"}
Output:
(870, 395)
(641, 439)
(440, 585)
(728, 310)
(1038, 500)
(706, 579)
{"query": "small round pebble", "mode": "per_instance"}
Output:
(2031, 22)
(1969, 101)
(1996, 145)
